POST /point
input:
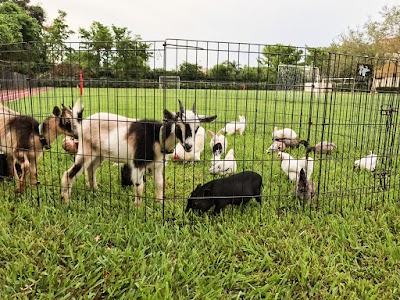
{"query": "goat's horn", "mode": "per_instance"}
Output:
(194, 106)
(181, 108)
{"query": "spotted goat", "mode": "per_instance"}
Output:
(141, 144)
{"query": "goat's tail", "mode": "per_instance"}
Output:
(77, 112)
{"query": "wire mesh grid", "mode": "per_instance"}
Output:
(347, 100)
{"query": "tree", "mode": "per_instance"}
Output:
(375, 38)
(130, 56)
(97, 45)
(190, 72)
(55, 35)
(35, 11)
(10, 30)
(112, 53)
(253, 74)
(18, 25)
(227, 71)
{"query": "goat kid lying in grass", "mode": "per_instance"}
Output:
(22, 139)
(141, 144)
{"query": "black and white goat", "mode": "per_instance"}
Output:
(22, 139)
(141, 144)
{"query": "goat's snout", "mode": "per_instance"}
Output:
(187, 147)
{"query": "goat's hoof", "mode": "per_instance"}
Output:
(161, 201)
(138, 204)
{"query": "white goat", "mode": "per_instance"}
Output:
(235, 127)
(140, 144)
(218, 142)
(194, 153)
(285, 133)
(224, 166)
(292, 166)
(369, 162)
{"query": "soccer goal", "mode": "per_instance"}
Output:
(169, 82)
(295, 77)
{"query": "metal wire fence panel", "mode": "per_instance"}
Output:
(347, 100)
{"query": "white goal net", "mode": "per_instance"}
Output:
(169, 82)
(295, 77)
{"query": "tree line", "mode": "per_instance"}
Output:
(37, 49)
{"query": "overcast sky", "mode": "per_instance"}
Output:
(290, 22)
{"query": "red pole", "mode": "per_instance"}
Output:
(80, 83)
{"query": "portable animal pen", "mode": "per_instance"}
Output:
(349, 101)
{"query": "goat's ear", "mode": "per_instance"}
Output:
(57, 111)
(194, 106)
(207, 193)
(181, 108)
(169, 116)
(207, 119)
(219, 132)
(210, 133)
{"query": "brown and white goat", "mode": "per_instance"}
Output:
(141, 144)
(22, 139)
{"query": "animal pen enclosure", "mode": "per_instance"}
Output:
(223, 79)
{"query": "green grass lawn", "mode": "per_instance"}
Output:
(343, 245)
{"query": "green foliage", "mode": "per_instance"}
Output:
(10, 31)
(226, 71)
(23, 28)
(253, 74)
(190, 72)
(131, 55)
(35, 11)
(374, 38)
(55, 35)
(113, 53)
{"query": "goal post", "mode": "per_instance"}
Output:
(169, 82)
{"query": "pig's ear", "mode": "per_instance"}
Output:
(207, 193)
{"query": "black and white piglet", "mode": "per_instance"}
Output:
(236, 189)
